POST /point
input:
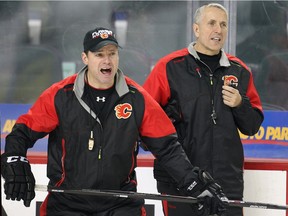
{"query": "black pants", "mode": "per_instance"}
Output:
(57, 204)
(183, 209)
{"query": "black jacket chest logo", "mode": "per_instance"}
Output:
(230, 80)
(123, 111)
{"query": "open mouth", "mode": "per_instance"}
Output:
(216, 39)
(106, 70)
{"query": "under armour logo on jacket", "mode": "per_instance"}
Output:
(102, 99)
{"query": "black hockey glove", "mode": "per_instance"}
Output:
(210, 206)
(209, 193)
(19, 180)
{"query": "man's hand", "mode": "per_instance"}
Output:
(231, 96)
(212, 200)
(19, 180)
(210, 206)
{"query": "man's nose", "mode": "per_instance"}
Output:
(107, 58)
(218, 28)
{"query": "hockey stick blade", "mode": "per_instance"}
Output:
(239, 203)
(171, 198)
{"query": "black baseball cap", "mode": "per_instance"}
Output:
(97, 38)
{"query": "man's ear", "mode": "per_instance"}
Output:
(196, 29)
(84, 58)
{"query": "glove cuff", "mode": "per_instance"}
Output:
(193, 185)
(14, 158)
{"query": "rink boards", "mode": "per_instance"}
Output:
(265, 174)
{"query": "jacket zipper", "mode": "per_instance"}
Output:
(100, 144)
(100, 152)
(213, 114)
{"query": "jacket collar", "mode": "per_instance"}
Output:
(223, 60)
(120, 83)
(120, 86)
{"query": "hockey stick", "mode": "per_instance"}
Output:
(171, 198)
(119, 194)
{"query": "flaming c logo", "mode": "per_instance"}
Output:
(104, 35)
(123, 111)
(230, 80)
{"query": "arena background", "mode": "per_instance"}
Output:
(41, 43)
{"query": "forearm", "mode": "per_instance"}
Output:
(20, 139)
(248, 118)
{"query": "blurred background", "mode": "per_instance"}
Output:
(41, 41)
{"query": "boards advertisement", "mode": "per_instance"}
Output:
(271, 141)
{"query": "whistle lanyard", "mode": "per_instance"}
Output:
(211, 62)
(97, 99)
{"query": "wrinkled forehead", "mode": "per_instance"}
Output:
(214, 13)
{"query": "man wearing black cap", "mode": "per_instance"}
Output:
(93, 120)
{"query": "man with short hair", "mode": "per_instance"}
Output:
(209, 95)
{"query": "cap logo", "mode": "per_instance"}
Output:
(102, 33)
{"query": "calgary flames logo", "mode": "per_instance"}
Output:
(230, 80)
(123, 111)
(104, 35)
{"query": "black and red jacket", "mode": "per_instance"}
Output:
(182, 81)
(62, 113)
